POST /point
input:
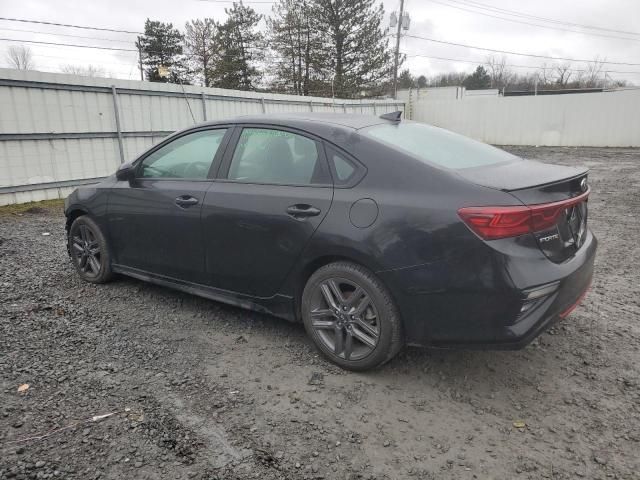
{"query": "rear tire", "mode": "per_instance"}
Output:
(350, 316)
(89, 250)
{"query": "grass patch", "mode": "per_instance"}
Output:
(45, 206)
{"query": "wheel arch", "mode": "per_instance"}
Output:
(72, 214)
(298, 281)
(390, 331)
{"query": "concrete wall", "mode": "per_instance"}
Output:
(58, 131)
(605, 119)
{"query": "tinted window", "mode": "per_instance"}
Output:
(189, 156)
(439, 146)
(274, 156)
(343, 168)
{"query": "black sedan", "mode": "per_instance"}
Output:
(374, 231)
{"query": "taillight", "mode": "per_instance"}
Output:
(492, 223)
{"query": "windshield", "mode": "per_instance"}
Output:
(438, 146)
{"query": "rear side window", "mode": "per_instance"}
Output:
(265, 155)
(438, 146)
(344, 168)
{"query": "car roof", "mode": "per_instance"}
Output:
(306, 120)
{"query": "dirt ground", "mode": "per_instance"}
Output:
(201, 390)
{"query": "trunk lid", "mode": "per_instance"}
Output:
(546, 189)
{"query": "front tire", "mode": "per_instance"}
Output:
(350, 316)
(89, 251)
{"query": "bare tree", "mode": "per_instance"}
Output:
(498, 71)
(525, 82)
(562, 73)
(201, 46)
(620, 83)
(591, 77)
(88, 71)
(545, 76)
(452, 79)
(20, 57)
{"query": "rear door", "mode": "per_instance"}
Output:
(272, 193)
(154, 220)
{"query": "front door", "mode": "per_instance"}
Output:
(154, 221)
(273, 193)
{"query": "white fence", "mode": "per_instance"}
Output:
(605, 119)
(58, 131)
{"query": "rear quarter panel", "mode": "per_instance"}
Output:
(417, 245)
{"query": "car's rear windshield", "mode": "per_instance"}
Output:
(438, 146)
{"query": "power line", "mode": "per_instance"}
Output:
(117, 49)
(64, 35)
(69, 45)
(533, 24)
(517, 53)
(535, 17)
(85, 27)
(539, 67)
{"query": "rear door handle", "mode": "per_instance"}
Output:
(185, 201)
(302, 210)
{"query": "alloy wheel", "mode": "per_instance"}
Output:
(345, 318)
(86, 251)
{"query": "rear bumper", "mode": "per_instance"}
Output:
(482, 310)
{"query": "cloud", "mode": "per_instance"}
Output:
(430, 18)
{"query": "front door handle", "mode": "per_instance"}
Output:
(302, 210)
(185, 201)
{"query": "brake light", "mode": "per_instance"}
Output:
(492, 223)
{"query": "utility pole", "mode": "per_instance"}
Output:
(395, 63)
(138, 44)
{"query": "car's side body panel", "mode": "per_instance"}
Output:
(277, 305)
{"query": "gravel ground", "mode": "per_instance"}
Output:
(197, 389)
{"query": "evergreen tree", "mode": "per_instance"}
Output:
(161, 47)
(237, 42)
(478, 79)
(293, 40)
(355, 55)
(405, 79)
(422, 81)
(200, 40)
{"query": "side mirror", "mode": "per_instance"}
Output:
(125, 172)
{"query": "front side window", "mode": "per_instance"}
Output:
(266, 155)
(438, 146)
(189, 156)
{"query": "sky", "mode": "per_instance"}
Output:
(467, 22)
